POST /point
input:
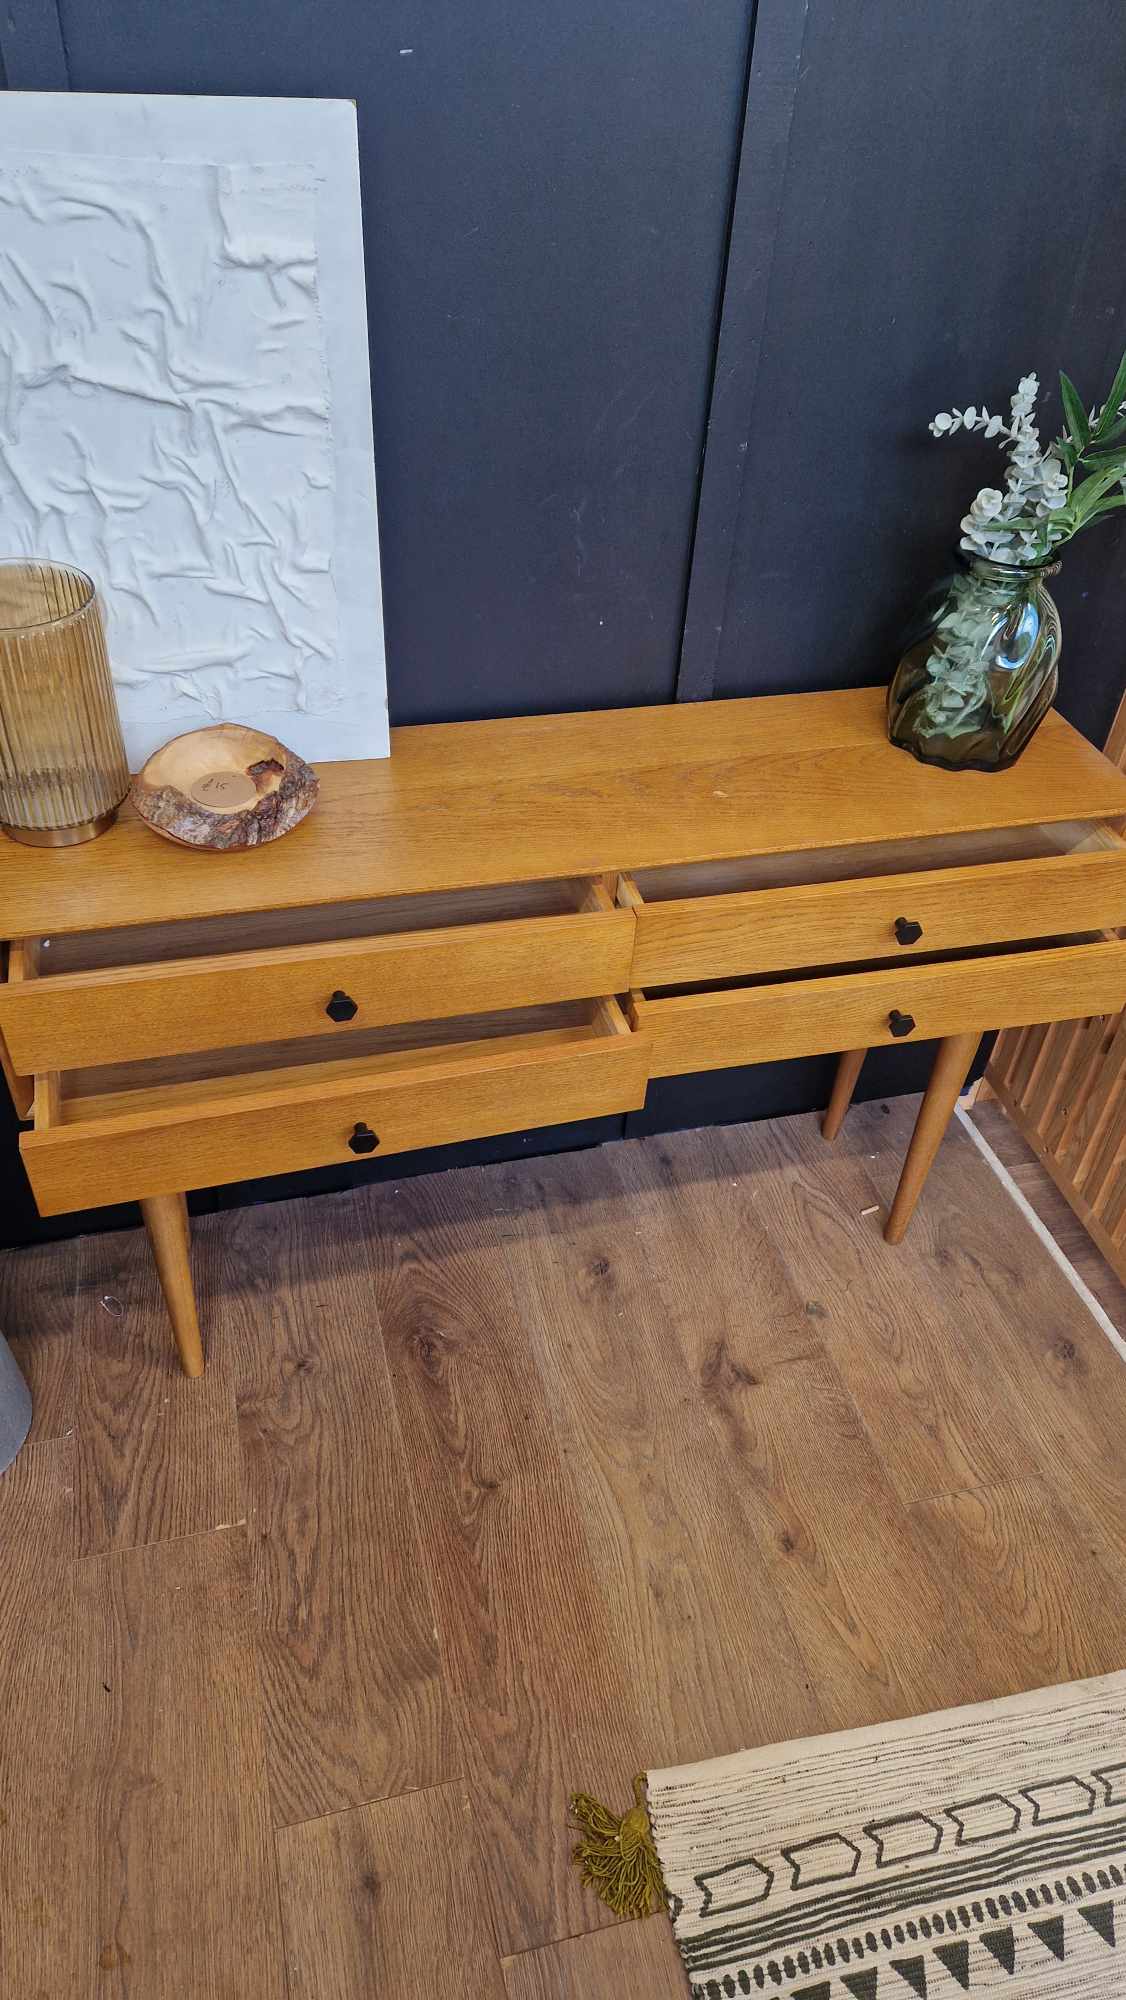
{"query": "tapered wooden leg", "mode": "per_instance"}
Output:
(951, 1067)
(844, 1083)
(166, 1219)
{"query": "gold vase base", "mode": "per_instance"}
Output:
(60, 836)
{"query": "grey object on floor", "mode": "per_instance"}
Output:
(15, 1406)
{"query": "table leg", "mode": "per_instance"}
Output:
(951, 1067)
(166, 1219)
(844, 1083)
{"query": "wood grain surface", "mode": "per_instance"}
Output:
(1058, 1381)
(222, 1001)
(353, 1697)
(156, 1453)
(458, 804)
(160, 1142)
(1034, 1591)
(599, 1300)
(38, 1303)
(21, 1089)
(1072, 1109)
(175, 1884)
(1053, 1208)
(922, 1382)
(720, 937)
(546, 1695)
(632, 1959)
(388, 1900)
(16, 961)
(39, 1851)
(850, 1010)
(502, 1483)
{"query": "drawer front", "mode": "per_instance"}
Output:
(20, 1088)
(770, 930)
(79, 1020)
(855, 1010)
(233, 1137)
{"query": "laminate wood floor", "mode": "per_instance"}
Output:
(502, 1483)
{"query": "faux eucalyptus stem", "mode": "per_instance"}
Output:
(1049, 494)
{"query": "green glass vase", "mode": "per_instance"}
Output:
(979, 669)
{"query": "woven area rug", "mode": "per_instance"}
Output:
(979, 1851)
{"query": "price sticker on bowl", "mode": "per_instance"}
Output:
(224, 791)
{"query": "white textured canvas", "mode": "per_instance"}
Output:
(185, 406)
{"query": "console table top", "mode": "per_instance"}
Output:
(464, 805)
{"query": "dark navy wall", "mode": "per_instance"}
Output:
(546, 197)
(944, 210)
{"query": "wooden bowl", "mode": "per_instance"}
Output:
(224, 787)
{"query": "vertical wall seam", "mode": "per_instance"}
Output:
(32, 48)
(773, 78)
(717, 329)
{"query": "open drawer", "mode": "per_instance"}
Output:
(763, 1020)
(893, 900)
(180, 988)
(106, 1135)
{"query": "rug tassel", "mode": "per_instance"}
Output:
(616, 1857)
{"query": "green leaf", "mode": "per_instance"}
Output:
(1074, 411)
(1103, 507)
(1116, 395)
(1087, 496)
(1105, 461)
(1110, 448)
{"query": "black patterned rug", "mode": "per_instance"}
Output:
(978, 1851)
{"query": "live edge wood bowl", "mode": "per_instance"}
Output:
(224, 787)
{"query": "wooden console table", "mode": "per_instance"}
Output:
(515, 923)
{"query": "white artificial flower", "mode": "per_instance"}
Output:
(988, 504)
(1036, 484)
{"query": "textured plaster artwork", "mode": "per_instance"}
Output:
(167, 424)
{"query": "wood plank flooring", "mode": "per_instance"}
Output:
(1053, 1210)
(502, 1483)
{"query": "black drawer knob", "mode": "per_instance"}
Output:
(363, 1139)
(900, 1024)
(907, 931)
(341, 1007)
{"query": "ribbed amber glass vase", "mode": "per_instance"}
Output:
(63, 772)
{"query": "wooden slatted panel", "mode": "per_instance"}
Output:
(1065, 1087)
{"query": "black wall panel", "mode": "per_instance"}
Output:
(32, 56)
(546, 199)
(946, 211)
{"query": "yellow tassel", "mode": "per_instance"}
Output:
(617, 1858)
